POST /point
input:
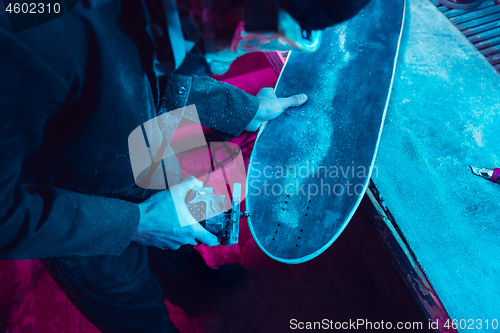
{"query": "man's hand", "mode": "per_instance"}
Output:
(271, 107)
(161, 216)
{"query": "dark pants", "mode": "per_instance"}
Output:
(126, 293)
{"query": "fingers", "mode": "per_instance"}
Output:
(170, 245)
(204, 236)
(193, 242)
(295, 100)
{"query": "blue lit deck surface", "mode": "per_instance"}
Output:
(308, 204)
(443, 116)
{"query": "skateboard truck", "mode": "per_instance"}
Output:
(208, 208)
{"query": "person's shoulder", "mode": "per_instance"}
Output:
(63, 32)
(85, 20)
(64, 43)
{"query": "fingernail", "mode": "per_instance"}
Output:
(303, 97)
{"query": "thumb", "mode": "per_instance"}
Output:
(295, 100)
(204, 236)
(190, 183)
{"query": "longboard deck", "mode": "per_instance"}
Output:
(310, 167)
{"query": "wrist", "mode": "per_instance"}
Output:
(256, 121)
(143, 209)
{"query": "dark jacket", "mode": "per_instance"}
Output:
(71, 92)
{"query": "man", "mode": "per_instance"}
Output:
(73, 89)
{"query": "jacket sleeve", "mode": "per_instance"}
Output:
(42, 221)
(220, 106)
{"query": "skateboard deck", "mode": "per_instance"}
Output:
(311, 166)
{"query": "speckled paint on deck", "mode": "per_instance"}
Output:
(347, 82)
